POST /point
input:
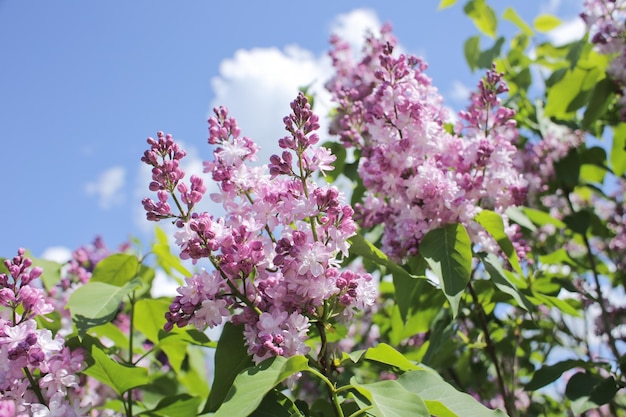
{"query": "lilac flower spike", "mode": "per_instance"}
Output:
(277, 250)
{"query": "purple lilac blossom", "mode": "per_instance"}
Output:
(277, 250)
(418, 174)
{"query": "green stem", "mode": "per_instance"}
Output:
(34, 386)
(491, 351)
(332, 391)
(600, 296)
(129, 395)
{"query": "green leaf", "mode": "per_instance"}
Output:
(165, 259)
(360, 246)
(383, 353)
(117, 269)
(489, 56)
(448, 252)
(51, 275)
(571, 92)
(251, 385)
(517, 215)
(97, 303)
(588, 391)
(483, 16)
(511, 15)
(471, 50)
(231, 357)
(546, 22)
(445, 4)
(390, 399)
(541, 218)
(180, 405)
(119, 377)
(550, 373)
(494, 225)
(599, 101)
(618, 150)
(501, 280)
(276, 404)
(339, 151)
(442, 399)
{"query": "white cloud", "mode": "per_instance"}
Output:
(352, 26)
(59, 254)
(567, 32)
(459, 93)
(108, 187)
(257, 86)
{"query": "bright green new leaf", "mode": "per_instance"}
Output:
(494, 225)
(119, 377)
(251, 385)
(618, 150)
(51, 272)
(442, 399)
(471, 50)
(116, 269)
(383, 353)
(231, 357)
(390, 399)
(541, 218)
(517, 215)
(97, 303)
(448, 252)
(483, 16)
(165, 259)
(546, 22)
(445, 4)
(511, 15)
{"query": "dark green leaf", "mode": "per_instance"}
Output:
(276, 404)
(339, 151)
(599, 101)
(568, 169)
(180, 405)
(448, 252)
(489, 56)
(500, 278)
(550, 373)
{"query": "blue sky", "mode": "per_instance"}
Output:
(83, 84)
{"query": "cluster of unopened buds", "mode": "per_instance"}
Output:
(275, 255)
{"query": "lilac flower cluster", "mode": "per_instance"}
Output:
(277, 250)
(418, 174)
(38, 373)
(606, 22)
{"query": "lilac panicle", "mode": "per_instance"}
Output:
(276, 252)
(417, 174)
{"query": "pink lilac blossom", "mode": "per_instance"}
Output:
(606, 22)
(418, 175)
(277, 250)
(38, 374)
